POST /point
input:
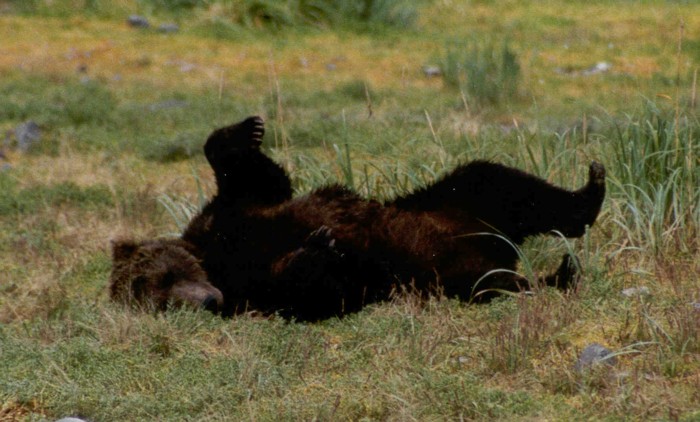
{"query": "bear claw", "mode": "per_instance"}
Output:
(256, 129)
(321, 237)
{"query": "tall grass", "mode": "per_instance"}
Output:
(488, 73)
(656, 177)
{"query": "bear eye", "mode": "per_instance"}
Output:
(168, 279)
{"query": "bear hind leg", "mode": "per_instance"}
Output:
(243, 173)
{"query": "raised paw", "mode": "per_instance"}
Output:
(256, 129)
(596, 173)
(245, 134)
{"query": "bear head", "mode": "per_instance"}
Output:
(158, 273)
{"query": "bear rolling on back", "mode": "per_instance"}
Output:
(331, 252)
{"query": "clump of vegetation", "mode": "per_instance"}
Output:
(657, 176)
(487, 74)
(275, 14)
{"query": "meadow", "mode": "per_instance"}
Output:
(351, 94)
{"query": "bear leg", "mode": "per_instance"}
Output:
(487, 287)
(243, 173)
(510, 201)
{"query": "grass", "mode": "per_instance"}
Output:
(122, 113)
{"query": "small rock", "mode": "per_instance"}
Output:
(168, 28)
(696, 306)
(136, 21)
(71, 419)
(431, 71)
(636, 291)
(594, 354)
(331, 66)
(27, 134)
(600, 67)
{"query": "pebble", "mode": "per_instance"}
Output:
(27, 135)
(636, 291)
(137, 21)
(593, 354)
(168, 28)
(600, 67)
(431, 71)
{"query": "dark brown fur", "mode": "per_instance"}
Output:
(331, 252)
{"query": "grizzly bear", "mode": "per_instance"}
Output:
(330, 252)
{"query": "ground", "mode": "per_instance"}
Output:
(123, 111)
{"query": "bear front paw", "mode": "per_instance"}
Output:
(255, 127)
(321, 238)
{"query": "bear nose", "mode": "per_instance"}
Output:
(210, 303)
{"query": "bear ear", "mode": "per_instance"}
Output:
(123, 249)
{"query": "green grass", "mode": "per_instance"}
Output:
(486, 75)
(124, 112)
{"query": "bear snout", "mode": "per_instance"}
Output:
(197, 294)
(212, 304)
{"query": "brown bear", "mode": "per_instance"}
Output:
(330, 252)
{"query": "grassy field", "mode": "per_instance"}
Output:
(123, 112)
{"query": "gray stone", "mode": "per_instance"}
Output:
(594, 354)
(27, 135)
(71, 419)
(636, 291)
(431, 71)
(600, 67)
(136, 21)
(168, 28)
